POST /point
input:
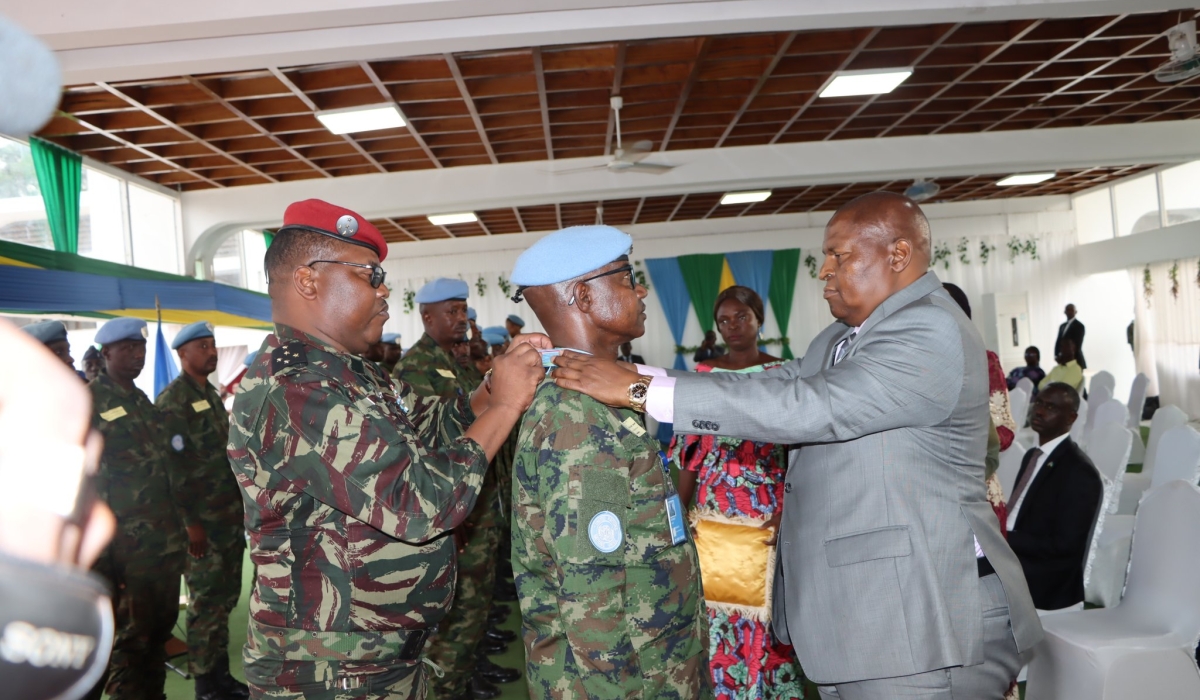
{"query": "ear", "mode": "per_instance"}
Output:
(584, 297)
(304, 281)
(902, 255)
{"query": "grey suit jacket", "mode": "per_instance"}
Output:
(876, 573)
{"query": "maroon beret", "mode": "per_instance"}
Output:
(316, 216)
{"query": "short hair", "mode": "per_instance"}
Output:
(1033, 348)
(746, 295)
(1067, 389)
(292, 249)
(959, 296)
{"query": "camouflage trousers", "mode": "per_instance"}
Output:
(145, 615)
(214, 586)
(404, 684)
(460, 632)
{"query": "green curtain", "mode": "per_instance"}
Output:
(60, 177)
(269, 236)
(702, 276)
(784, 268)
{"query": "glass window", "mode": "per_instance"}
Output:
(227, 262)
(22, 213)
(254, 248)
(1181, 192)
(1137, 205)
(154, 235)
(1093, 216)
(101, 231)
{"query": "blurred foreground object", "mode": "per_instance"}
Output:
(30, 81)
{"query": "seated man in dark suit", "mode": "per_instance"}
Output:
(1053, 506)
(628, 356)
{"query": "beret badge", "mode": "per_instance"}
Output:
(347, 225)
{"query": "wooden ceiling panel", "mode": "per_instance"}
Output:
(426, 91)
(415, 69)
(579, 58)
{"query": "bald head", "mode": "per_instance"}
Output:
(875, 245)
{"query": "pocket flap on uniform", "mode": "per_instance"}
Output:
(882, 543)
(606, 486)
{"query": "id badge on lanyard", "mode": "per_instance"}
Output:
(674, 505)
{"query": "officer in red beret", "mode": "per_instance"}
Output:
(349, 498)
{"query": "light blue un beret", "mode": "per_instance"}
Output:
(471, 315)
(390, 338)
(120, 329)
(192, 331)
(47, 332)
(516, 320)
(493, 337)
(250, 358)
(569, 253)
(442, 289)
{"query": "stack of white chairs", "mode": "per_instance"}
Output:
(1079, 430)
(1097, 400)
(1027, 384)
(1102, 380)
(1178, 460)
(1144, 647)
(1109, 451)
(1165, 419)
(1137, 402)
(1110, 418)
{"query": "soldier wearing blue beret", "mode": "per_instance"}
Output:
(513, 324)
(139, 477)
(471, 322)
(52, 334)
(93, 363)
(391, 351)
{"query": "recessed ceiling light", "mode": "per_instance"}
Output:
(466, 217)
(1025, 179)
(865, 82)
(355, 119)
(745, 197)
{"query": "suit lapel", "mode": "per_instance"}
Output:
(1043, 474)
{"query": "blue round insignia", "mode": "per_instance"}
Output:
(177, 443)
(604, 531)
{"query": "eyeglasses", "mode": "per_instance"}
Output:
(626, 268)
(378, 274)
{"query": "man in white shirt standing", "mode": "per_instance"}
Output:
(1053, 506)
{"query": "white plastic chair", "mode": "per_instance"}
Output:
(1144, 647)
(1018, 404)
(1098, 398)
(1109, 415)
(1102, 380)
(1079, 429)
(1137, 402)
(1165, 419)
(1010, 464)
(1027, 384)
(1109, 450)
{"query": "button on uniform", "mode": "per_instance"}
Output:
(787, 488)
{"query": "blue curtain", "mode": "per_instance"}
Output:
(164, 365)
(673, 295)
(752, 268)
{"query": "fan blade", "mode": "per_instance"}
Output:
(651, 168)
(638, 151)
(569, 171)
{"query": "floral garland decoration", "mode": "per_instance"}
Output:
(941, 254)
(480, 286)
(1173, 274)
(410, 300)
(962, 251)
(639, 275)
(1147, 285)
(811, 263)
(505, 285)
(985, 251)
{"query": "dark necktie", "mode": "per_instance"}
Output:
(1026, 476)
(840, 351)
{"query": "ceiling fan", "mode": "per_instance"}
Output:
(626, 160)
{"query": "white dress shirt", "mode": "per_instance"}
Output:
(1047, 449)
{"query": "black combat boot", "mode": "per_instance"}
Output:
(494, 672)
(208, 687)
(234, 689)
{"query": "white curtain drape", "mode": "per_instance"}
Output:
(1168, 334)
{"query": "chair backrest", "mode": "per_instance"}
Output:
(1097, 398)
(1165, 418)
(1018, 403)
(1178, 457)
(1163, 568)
(1102, 379)
(1079, 431)
(1027, 384)
(1106, 501)
(1106, 416)
(1137, 399)
(1010, 464)
(1109, 450)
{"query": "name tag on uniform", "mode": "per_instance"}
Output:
(445, 373)
(199, 406)
(114, 414)
(675, 519)
(632, 426)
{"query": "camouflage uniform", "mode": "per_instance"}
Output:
(347, 501)
(214, 581)
(138, 478)
(432, 372)
(629, 623)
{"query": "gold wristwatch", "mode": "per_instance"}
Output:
(638, 391)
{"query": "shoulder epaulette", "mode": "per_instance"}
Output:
(288, 355)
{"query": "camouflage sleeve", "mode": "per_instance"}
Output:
(562, 484)
(418, 380)
(354, 457)
(439, 421)
(185, 489)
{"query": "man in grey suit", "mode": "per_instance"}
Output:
(893, 578)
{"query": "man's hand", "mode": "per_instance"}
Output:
(516, 375)
(607, 381)
(538, 340)
(197, 541)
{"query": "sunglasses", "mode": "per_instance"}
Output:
(378, 274)
(625, 268)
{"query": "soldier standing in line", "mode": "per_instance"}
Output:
(429, 368)
(217, 539)
(608, 577)
(93, 363)
(474, 327)
(349, 497)
(513, 324)
(391, 351)
(53, 334)
(139, 479)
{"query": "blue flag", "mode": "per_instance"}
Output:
(165, 370)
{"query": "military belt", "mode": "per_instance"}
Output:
(313, 645)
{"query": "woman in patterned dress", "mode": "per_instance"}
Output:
(740, 478)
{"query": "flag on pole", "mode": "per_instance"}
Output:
(165, 370)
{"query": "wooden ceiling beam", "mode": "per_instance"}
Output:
(762, 80)
(618, 73)
(540, 74)
(452, 64)
(693, 76)
(412, 129)
(678, 206)
(189, 135)
(146, 152)
(295, 90)
(402, 229)
(637, 212)
(866, 40)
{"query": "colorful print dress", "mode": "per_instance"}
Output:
(741, 478)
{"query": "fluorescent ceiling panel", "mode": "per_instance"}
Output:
(1025, 179)
(466, 217)
(356, 119)
(865, 82)
(745, 197)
